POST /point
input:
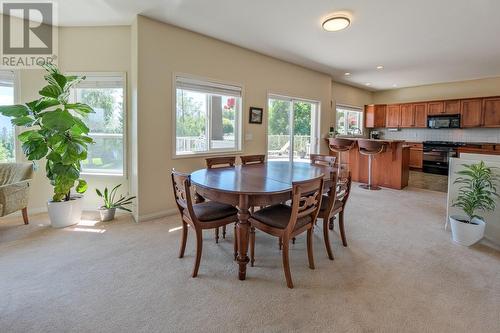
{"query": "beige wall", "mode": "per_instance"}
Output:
(89, 49)
(164, 50)
(352, 96)
(463, 89)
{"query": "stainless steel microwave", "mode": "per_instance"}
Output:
(446, 121)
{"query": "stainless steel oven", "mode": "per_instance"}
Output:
(437, 155)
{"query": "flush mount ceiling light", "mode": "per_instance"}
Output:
(347, 74)
(336, 23)
(368, 84)
(380, 67)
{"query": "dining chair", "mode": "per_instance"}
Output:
(220, 162)
(327, 209)
(286, 222)
(332, 206)
(322, 159)
(200, 216)
(224, 161)
(252, 159)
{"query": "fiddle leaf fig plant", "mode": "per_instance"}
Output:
(477, 189)
(56, 132)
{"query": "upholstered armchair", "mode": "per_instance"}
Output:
(14, 185)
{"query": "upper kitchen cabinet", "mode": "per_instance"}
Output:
(491, 112)
(375, 116)
(452, 107)
(435, 108)
(471, 111)
(420, 111)
(393, 116)
(407, 115)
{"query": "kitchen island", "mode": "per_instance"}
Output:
(389, 168)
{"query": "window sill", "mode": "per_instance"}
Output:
(97, 174)
(209, 154)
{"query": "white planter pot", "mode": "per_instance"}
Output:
(65, 213)
(466, 233)
(107, 214)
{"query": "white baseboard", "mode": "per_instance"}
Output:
(158, 215)
(488, 242)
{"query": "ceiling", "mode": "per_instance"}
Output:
(418, 42)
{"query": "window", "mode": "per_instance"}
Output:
(207, 117)
(7, 131)
(349, 120)
(105, 94)
(292, 128)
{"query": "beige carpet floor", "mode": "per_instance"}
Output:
(400, 273)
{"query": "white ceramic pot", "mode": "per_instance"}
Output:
(65, 213)
(107, 214)
(466, 233)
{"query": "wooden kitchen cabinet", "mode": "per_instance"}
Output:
(393, 116)
(452, 107)
(435, 108)
(471, 112)
(491, 112)
(420, 111)
(407, 115)
(416, 155)
(375, 116)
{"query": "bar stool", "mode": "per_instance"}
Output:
(370, 148)
(340, 145)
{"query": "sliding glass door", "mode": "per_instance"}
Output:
(292, 128)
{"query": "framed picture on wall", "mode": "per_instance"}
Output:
(256, 115)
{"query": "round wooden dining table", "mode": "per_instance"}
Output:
(245, 186)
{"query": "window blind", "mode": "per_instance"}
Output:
(207, 87)
(6, 78)
(102, 81)
(348, 108)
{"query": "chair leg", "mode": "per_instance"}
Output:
(310, 254)
(217, 235)
(286, 264)
(342, 229)
(224, 232)
(327, 239)
(199, 247)
(184, 239)
(252, 246)
(235, 243)
(25, 215)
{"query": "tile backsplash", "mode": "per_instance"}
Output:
(458, 135)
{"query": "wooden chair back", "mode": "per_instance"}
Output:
(344, 189)
(322, 159)
(252, 159)
(306, 200)
(181, 184)
(370, 147)
(332, 193)
(225, 161)
(340, 144)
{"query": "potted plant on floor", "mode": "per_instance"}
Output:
(477, 191)
(108, 210)
(58, 133)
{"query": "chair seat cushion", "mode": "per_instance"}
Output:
(278, 216)
(324, 203)
(212, 210)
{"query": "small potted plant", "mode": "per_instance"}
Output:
(476, 192)
(108, 210)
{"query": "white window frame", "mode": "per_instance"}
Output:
(123, 75)
(238, 119)
(350, 108)
(315, 127)
(16, 129)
